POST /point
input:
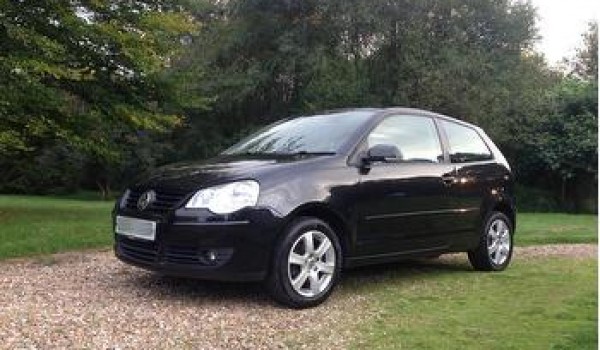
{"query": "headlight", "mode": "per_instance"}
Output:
(226, 199)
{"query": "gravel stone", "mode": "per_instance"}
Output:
(581, 251)
(92, 300)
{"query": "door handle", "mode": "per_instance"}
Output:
(448, 179)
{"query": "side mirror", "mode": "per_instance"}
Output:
(384, 153)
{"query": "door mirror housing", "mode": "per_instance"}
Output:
(383, 153)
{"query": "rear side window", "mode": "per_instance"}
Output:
(416, 138)
(465, 143)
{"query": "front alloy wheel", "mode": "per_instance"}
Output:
(311, 263)
(306, 264)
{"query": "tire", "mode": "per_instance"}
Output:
(495, 248)
(315, 271)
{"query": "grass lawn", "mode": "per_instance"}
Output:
(537, 303)
(549, 228)
(41, 225)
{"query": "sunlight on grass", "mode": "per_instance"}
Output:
(43, 225)
(546, 303)
(556, 228)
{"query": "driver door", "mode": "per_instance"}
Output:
(403, 203)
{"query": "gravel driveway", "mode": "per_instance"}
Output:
(91, 300)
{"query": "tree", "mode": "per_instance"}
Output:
(565, 139)
(586, 62)
(272, 58)
(84, 75)
(557, 140)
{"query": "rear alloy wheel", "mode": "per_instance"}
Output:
(498, 242)
(495, 247)
(306, 265)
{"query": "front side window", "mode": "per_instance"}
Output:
(416, 138)
(465, 144)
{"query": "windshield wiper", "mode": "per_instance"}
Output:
(299, 153)
(307, 153)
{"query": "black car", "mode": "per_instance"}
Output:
(301, 199)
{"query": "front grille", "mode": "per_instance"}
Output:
(196, 256)
(148, 253)
(138, 250)
(182, 255)
(165, 200)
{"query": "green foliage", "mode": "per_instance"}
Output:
(586, 65)
(83, 75)
(275, 58)
(567, 136)
(537, 200)
(556, 144)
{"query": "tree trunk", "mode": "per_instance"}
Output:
(563, 190)
(104, 189)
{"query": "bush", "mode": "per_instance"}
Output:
(530, 199)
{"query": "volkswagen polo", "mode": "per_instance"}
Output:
(300, 200)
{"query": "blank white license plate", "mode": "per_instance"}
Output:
(137, 228)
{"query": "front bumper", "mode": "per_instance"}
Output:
(241, 247)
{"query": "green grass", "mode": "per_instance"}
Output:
(42, 225)
(554, 228)
(542, 303)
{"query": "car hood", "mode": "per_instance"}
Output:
(190, 176)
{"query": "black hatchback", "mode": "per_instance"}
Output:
(298, 201)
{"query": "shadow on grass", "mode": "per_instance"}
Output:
(357, 280)
(403, 271)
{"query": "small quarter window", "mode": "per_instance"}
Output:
(416, 138)
(465, 144)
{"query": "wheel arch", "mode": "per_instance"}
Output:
(507, 209)
(330, 216)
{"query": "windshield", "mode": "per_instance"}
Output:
(319, 134)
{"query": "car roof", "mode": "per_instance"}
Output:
(376, 112)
